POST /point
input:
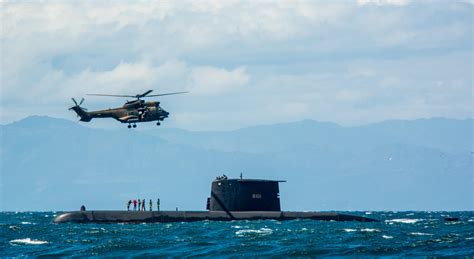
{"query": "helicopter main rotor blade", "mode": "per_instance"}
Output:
(74, 100)
(138, 96)
(82, 100)
(144, 94)
(113, 95)
(166, 94)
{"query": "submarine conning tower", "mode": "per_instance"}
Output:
(244, 195)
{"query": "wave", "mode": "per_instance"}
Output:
(406, 221)
(14, 227)
(262, 231)
(361, 230)
(420, 234)
(370, 230)
(28, 241)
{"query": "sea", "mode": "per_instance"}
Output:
(397, 234)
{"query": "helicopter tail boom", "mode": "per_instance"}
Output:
(82, 113)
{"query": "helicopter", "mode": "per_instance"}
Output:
(131, 112)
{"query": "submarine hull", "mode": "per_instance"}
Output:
(190, 216)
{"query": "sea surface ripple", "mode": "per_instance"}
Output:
(397, 233)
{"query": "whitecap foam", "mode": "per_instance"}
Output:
(262, 231)
(350, 230)
(406, 221)
(28, 241)
(26, 223)
(387, 237)
(14, 227)
(453, 222)
(370, 230)
(368, 212)
(420, 234)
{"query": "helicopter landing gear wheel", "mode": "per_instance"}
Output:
(134, 125)
(158, 124)
(129, 126)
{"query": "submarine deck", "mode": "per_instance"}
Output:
(189, 216)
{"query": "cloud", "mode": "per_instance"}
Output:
(383, 2)
(344, 62)
(216, 81)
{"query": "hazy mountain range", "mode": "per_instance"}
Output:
(56, 164)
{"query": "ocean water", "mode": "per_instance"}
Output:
(398, 233)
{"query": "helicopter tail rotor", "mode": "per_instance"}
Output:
(78, 104)
(80, 111)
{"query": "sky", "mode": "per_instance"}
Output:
(243, 62)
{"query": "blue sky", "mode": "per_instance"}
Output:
(244, 62)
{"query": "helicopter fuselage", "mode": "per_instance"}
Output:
(131, 112)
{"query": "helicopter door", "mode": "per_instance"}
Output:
(142, 114)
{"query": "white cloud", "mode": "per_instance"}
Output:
(216, 81)
(320, 60)
(384, 2)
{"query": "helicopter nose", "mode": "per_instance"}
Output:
(165, 113)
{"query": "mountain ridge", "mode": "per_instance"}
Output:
(57, 164)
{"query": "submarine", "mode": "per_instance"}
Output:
(230, 199)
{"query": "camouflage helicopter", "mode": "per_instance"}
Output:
(131, 112)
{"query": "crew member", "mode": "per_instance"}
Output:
(143, 205)
(128, 204)
(151, 204)
(158, 204)
(134, 205)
